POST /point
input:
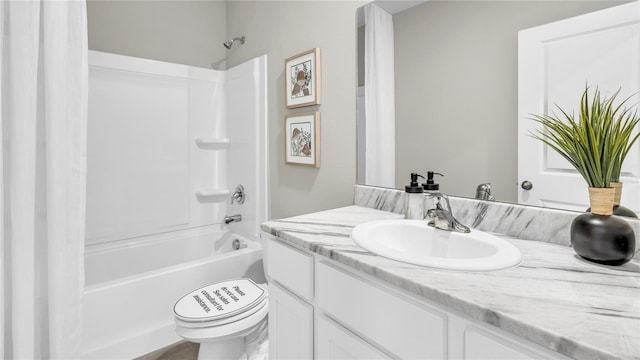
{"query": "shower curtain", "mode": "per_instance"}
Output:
(379, 98)
(43, 109)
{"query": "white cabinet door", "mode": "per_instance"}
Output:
(335, 342)
(555, 61)
(281, 268)
(405, 328)
(290, 326)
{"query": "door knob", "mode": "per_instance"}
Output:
(527, 185)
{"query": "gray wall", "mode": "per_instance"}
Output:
(184, 32)
(281, 29)
(192, 32)
(456, 88)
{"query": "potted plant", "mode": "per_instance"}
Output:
(595, 144)
(623, 133)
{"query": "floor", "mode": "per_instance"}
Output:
(182, 350)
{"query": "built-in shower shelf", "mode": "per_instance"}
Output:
(212, 193)
(212, 143)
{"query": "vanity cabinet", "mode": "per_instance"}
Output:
(319, 308)
(406, 329)
(335, 342)
(290, 275)
(290, 325)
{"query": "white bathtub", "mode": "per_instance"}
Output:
(131, 286)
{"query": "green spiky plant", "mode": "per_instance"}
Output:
(597, 142)
(623, 132)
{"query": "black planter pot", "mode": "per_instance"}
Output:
(621, 211)
(603, 239)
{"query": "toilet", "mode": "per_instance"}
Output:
(223, 317)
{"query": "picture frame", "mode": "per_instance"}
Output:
(302, 139)
(302, 79)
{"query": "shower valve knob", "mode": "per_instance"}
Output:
(238, 195)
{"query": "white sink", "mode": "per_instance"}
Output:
(414, 242)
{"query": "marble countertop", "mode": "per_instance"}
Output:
(555, 299)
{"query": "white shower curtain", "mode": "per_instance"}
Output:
(379, 98)
(43, 109)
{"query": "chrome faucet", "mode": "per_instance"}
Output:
(233, 218)
(441, 215)
(483, 192)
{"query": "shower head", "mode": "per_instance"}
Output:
(229, 43)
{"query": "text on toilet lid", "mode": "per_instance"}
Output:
(224, 298)
(220, 298)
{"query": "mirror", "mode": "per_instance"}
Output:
(456, 84)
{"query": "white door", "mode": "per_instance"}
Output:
(555, 62)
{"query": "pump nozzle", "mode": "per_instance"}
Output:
(414, 178)
(414, 187)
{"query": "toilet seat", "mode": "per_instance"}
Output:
(225, 309)
(238, 328)
(219, 301)
(211, 323)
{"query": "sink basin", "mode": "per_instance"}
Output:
(414, 242)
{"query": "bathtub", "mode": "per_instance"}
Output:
(131, 286)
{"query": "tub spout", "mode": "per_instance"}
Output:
(233, 218)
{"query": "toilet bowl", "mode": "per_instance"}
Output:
(221, 317)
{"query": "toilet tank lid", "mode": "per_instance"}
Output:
(219, 301)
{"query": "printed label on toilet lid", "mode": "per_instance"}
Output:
(219, 300)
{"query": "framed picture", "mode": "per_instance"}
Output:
(302, 76)
(302, 139)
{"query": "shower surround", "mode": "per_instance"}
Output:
(167, 144)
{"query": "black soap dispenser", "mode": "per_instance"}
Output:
(431, 185)
(414, 205)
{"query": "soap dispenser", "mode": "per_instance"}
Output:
(431, 187)
(415, 199)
